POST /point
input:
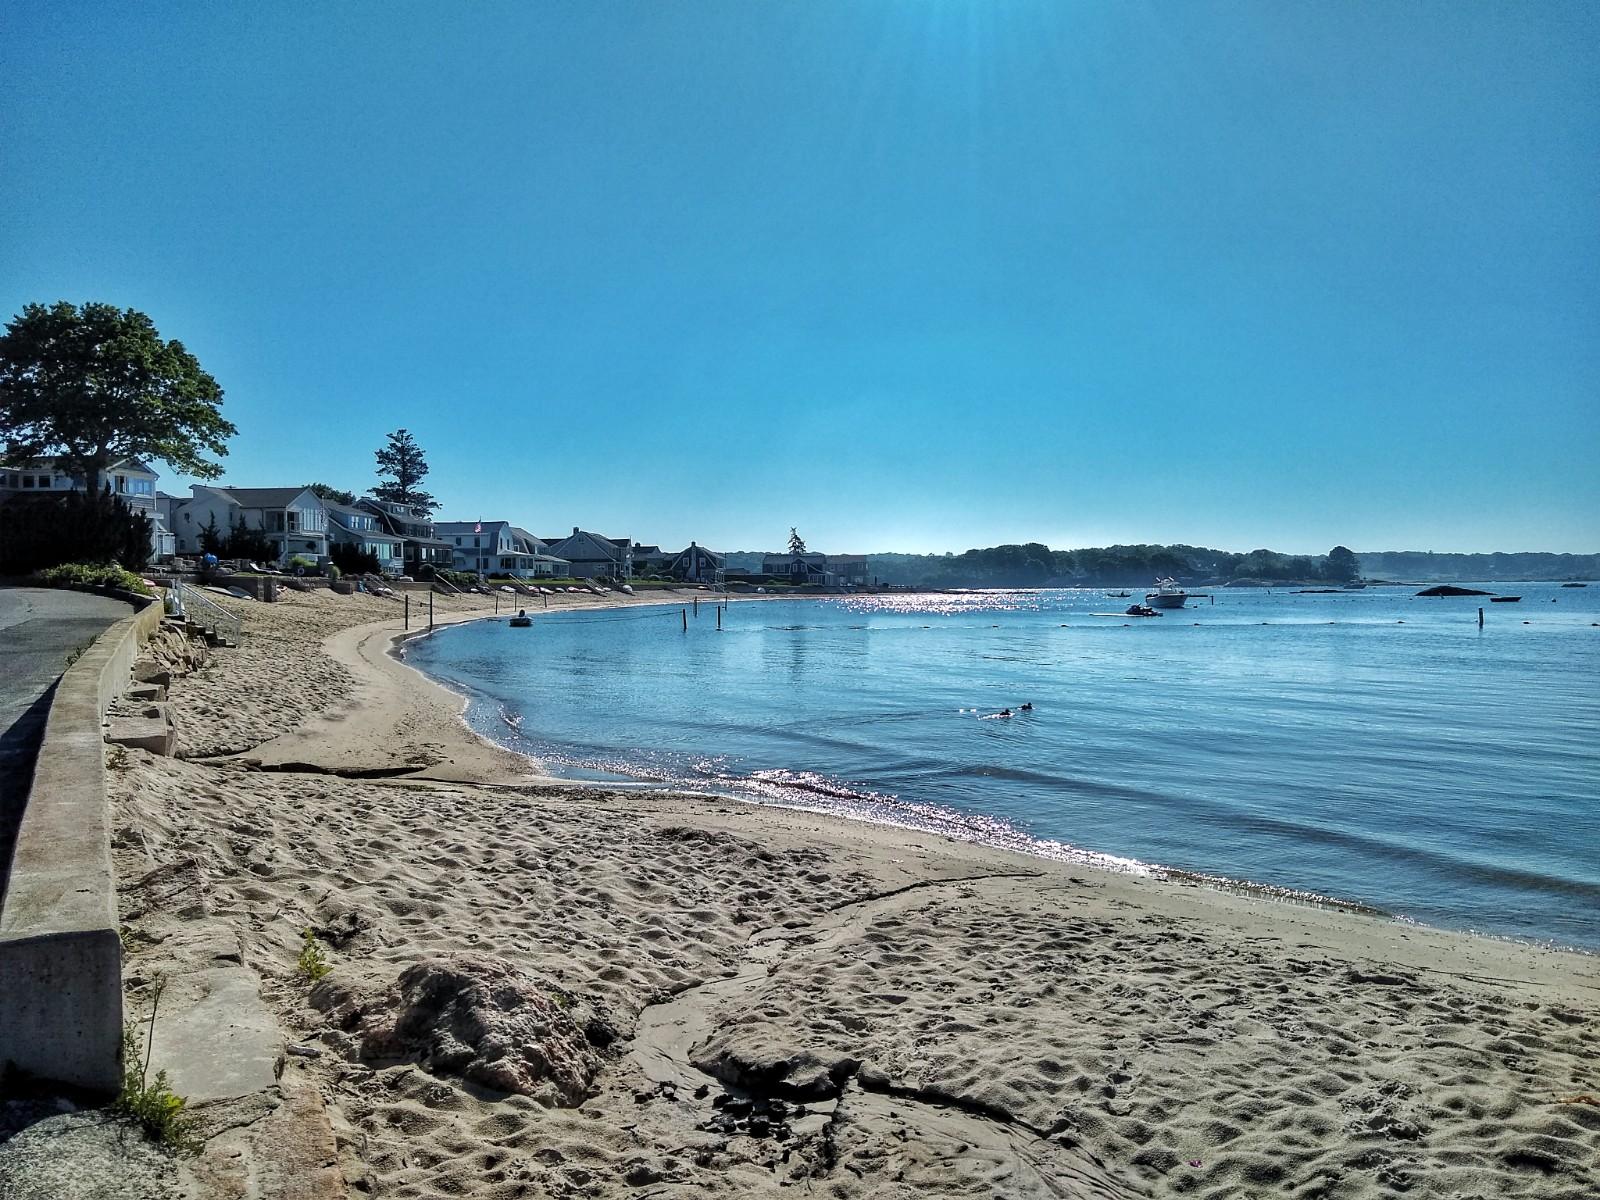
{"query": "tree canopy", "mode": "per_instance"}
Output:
(797, 544)
(1342, 564)
(93, 385)
(401, 469)
(326, 491)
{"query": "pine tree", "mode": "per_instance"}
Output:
(401, 469)
(797, 544)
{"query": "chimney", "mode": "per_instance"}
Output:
(574, 531)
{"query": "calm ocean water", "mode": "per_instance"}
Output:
(1371, 746)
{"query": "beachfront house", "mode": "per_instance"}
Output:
(422, 550)
(594, 557)
(363, 531)
(696, 564)
(129, 479)
(824, 570)
(650, 561)
(500, 548)
(293, 519)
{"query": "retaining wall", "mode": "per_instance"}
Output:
(60, 951)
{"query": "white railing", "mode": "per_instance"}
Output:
(197, 608)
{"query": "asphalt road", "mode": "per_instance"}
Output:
(39, 629)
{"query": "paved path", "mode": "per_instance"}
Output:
(39, 628)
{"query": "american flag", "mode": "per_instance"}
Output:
(478, 528)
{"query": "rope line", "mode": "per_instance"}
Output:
(608, 620)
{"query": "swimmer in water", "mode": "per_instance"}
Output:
(1027, 706)
(1004, 712)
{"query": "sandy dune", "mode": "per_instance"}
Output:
(776, 1003)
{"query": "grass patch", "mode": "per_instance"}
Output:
(99, 575)
(311, 963)
(160, 1112)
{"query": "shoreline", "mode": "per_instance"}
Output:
(1019, 843)
(753, 999)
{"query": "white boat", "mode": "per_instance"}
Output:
(1168, 594)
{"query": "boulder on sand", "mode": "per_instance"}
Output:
(476, 1017)
(762, 1058)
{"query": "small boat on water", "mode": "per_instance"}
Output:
(1140, 610)
(1504, 599)
(521, 621)
(1168, 594)
(1119, 595)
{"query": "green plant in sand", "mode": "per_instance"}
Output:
(159, 1110)
(311, 963)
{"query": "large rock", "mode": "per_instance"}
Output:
(476, 1017)
(762, 1058)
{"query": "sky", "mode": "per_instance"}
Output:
(915, 276)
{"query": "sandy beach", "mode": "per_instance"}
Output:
(544, 989)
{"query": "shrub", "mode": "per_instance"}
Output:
(301, 565)
(311, 963)
(46, 530)
(334, 572)
(101, 575)
(353, 561)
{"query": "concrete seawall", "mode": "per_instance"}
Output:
(60, 950)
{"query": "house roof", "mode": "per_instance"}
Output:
(454, 527)
(608, 548)
(262, 497)
(52, 462)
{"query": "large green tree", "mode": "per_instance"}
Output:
(1342, 565)
(401, 469)
(93, 385)
(326, 491)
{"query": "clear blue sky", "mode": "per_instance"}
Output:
(915, 276)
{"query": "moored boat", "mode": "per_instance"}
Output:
(1168, 594)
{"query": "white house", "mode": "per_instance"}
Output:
(294, 520)
(499, 548)
(129, 479)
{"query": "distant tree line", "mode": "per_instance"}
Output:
(1425, 565)
(1034, 564)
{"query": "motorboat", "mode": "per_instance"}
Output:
(521, 621)
(1168, 594)
(1140, 610)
